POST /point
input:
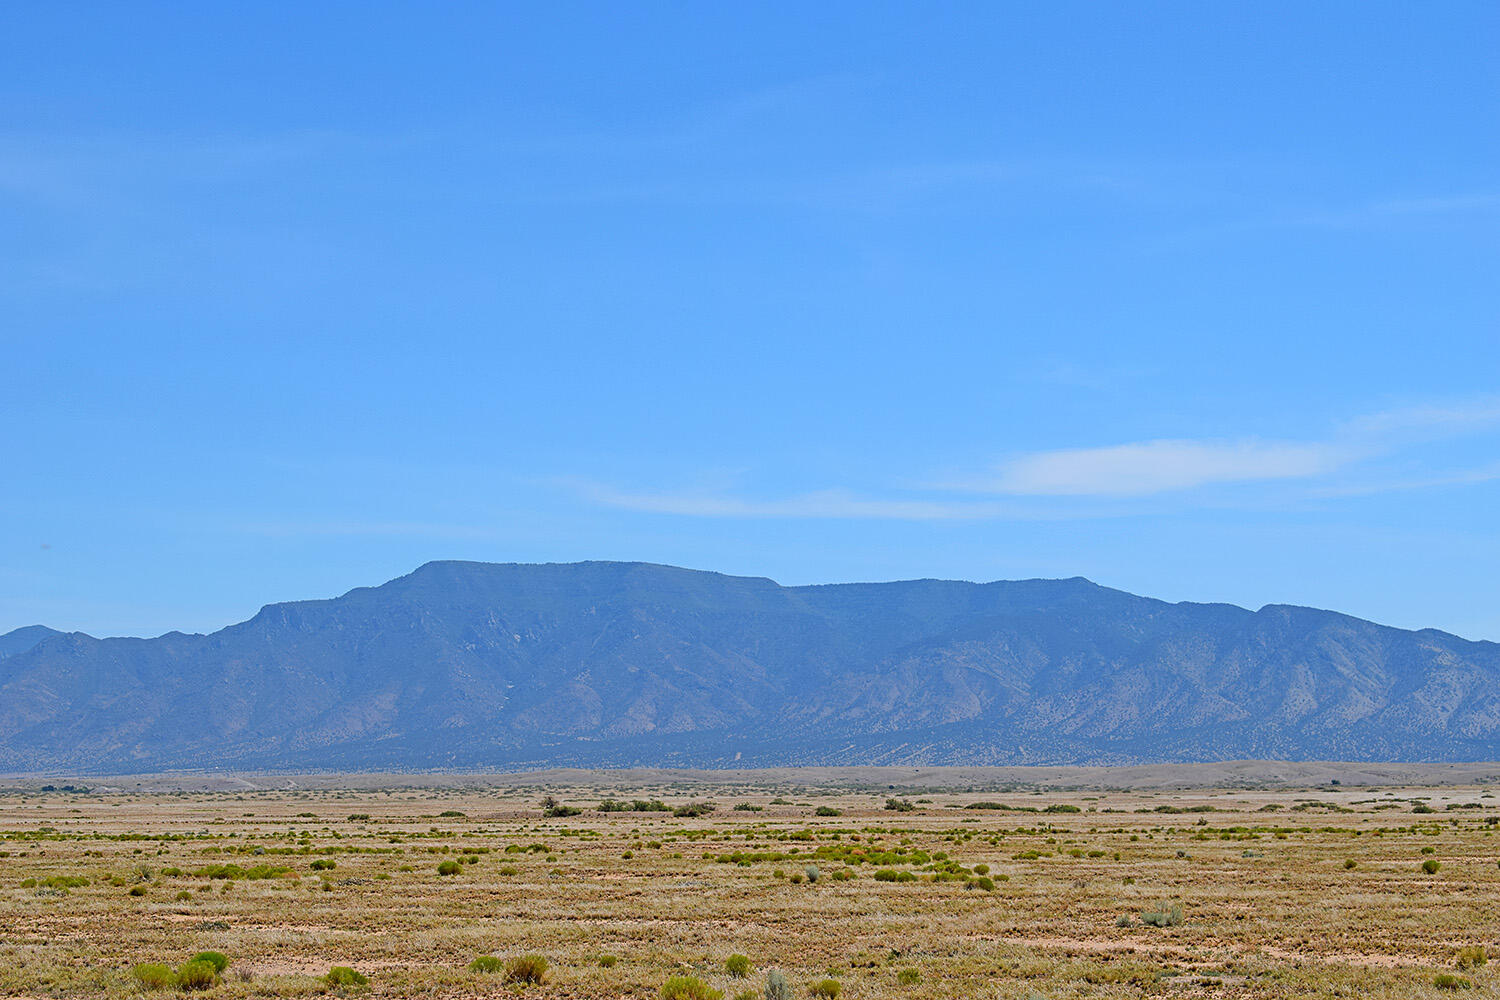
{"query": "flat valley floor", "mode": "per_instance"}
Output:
(1014, 885)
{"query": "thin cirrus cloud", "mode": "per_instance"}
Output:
(1123, 471)
(1464, 477)
(1116, 475)
(1440, 419)
(1149, 467)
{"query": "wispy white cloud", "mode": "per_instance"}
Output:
(1464, 477)
(1145, 468)
(1149, 467)
(1483, 411)
(1059, 484)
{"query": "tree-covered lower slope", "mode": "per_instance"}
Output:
(482, 665)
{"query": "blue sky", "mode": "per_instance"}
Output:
(1195, 300)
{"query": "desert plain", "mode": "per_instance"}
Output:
(1186, 881)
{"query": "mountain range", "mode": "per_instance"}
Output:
(476, 665)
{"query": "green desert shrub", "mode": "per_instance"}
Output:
(649, 806)
(694, 809)
(1431, 866)
(812, 873)
(1471, 957)
(1167, 916)
(341, 976)
(827, 811)
(60, 882)
(842, 875)
(197, 975)
(217, 959)
(777, 987)
(486, 963)
(1350, 865)
(1448, 981)
(908, 977)
(552, 807)
(899, 805)
(688, 988)
(154, 976)
(608, 961)
(232, 872)
(826, 989)
(737, 966)
(450, 868)
(137, 890)
(529, 969)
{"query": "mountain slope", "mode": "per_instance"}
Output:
(481, 665)
(21, 639)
